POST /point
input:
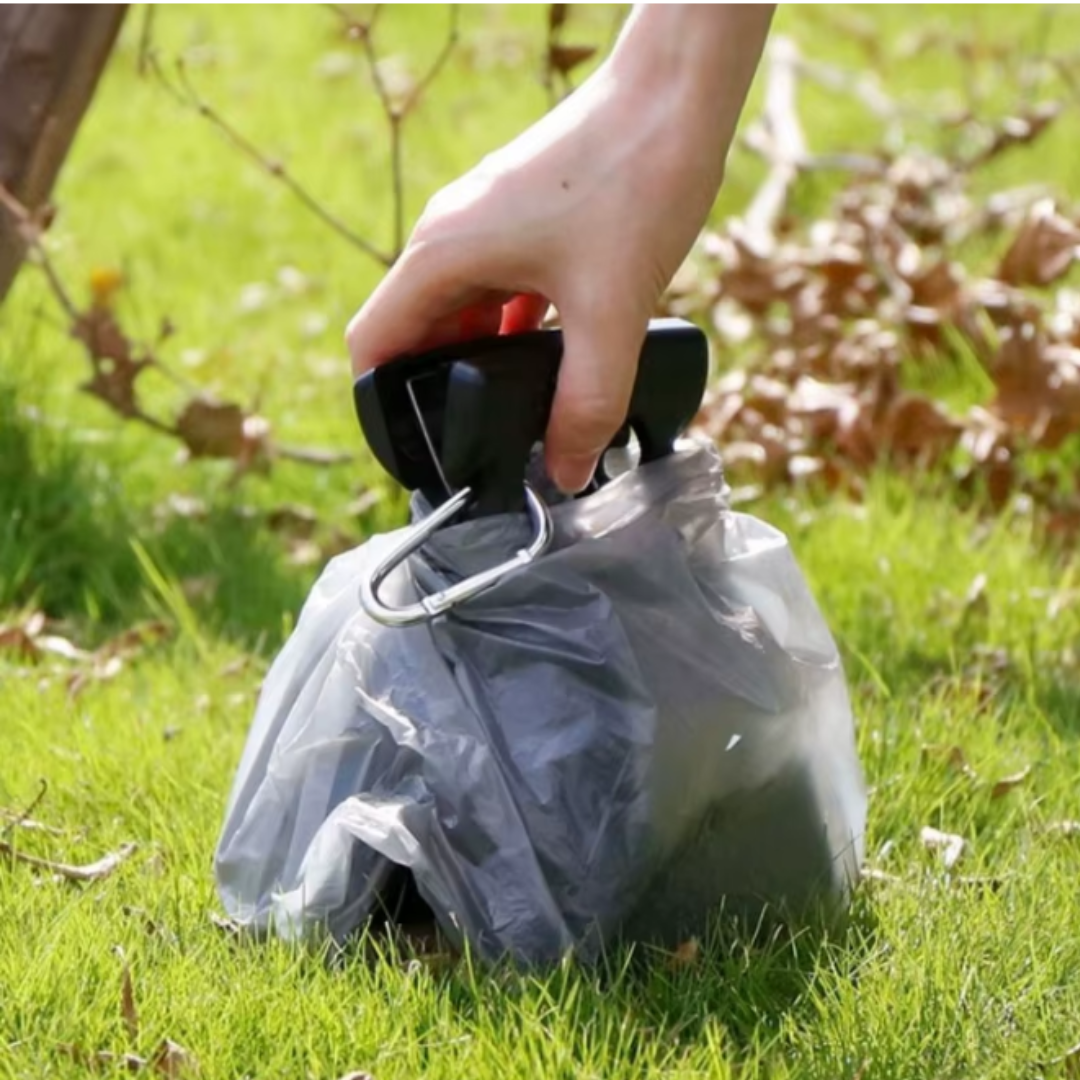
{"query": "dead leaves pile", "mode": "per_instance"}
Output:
(834, 313)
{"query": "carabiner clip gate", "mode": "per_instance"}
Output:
(430, 607)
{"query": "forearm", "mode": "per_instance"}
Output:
(697, 60)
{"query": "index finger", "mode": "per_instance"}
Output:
(418, 302)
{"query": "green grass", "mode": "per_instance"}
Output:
(939, 975)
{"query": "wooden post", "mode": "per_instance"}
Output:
(51, 56)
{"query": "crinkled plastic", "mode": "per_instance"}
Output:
(648, 722)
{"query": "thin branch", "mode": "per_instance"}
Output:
(91, 872)
(786, 143)
(189, 96)
(393, 114)
(439, 62)
(396, 112)
(143, 62)
(23, 816)
(312, 456)
(30, 230)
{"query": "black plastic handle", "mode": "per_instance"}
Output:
(469, 414)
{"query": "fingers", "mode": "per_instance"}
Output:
(596, 380)
(426, 298)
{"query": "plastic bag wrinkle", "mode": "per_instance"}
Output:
(648, 722)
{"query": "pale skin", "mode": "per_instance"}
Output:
(593, 208)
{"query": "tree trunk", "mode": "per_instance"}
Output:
(51, 56)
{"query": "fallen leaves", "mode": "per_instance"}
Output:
(953, 756)
(29, 639)
(170, 1060)
(827, 319)
(955, 759)
(1043, 250)
(1008, 783)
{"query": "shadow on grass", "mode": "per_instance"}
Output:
(909, 673)
(742, 983)
(66, 544)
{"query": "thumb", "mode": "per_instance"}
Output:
(596, 379)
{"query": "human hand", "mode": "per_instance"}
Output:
(592, 209)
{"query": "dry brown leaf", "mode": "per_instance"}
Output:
(949, 845)
(212, 429)
(564, 58)
(22, 638)
(685, 954)
(115, 368)
(128, 1012)
(1038, 386)
(172, 1061)
(132, 641)
(101, 1060)
(91, 872)
(1020, 130)
(918, 429)
(953, 756)
(293, 520)
(1007, 783)
(1043, 250)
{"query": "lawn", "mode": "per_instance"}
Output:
(959, 630)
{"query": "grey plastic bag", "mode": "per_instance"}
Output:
(649, 721)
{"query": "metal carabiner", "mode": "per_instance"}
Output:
(430, 607)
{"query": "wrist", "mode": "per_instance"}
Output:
(695, 62)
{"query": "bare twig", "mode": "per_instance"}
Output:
(187, 95)
(393, 114)
(22, 817)
(310, 456)
(206, 428)
(786, 144)
(91, 872)
(556, 17)
(146, 40)
(31, 230)
(18, 821)
(396, 112)
(439, 62)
